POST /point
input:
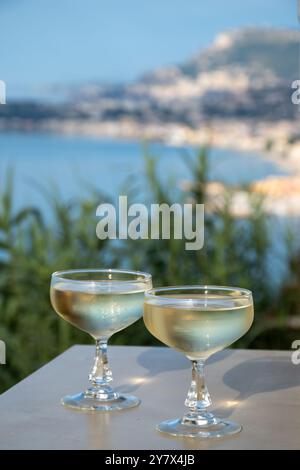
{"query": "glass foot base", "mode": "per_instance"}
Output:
(82, 401)
(215, 429)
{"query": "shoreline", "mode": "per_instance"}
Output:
(277, 160)
(281, 201)
(277, 142)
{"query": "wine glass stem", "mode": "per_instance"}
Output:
(101, 373)
(198, 398)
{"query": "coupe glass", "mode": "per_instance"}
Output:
(198, 321)
(100, 302)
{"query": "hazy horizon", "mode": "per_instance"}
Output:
(78, 42)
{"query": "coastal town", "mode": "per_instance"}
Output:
(226, 96)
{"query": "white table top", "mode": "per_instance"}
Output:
(259, 389)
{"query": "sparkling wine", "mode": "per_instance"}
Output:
(101, 309)
(201, 326)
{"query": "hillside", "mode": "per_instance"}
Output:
(239, 86)
(254, 49)
(244, 65)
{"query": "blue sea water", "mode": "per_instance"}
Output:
(69, 165)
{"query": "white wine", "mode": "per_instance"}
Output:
(199, 325)
(198, 321)
(99, 308)
(100, 302)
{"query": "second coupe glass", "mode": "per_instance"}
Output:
(198, 321)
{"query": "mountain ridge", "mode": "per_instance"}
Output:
(239, 86)
(238, 66)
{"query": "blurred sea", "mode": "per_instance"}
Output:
(70, 165)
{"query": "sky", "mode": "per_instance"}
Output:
(45, 42)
